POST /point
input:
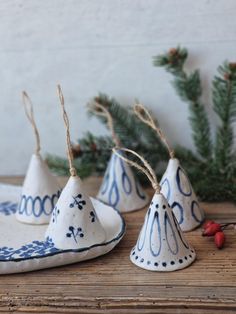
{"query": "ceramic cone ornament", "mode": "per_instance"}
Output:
(74, 223)
(40, 190)
(161, 245)
(175, 185)
(178, 191)
(120, 188)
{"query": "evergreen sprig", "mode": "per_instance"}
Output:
(212, 170)
(224, 100)
(188, 87)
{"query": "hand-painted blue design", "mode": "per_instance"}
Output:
(110, 188)
(55, 213)
(8, 208)
(75, 233)
(139, 191)
(92, 216)
(196, 211)
(37, 206)
(170, 235)
(155, 235)
(165, 188)
(114, 195)
(28, 250)
(126, 183)
(105, 183)
(179, 232)
(176, 206)
(78, 202)
(143, 233)
(179, 183)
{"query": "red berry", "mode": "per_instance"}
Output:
(219, 239)
(208, 223)
(211, 230)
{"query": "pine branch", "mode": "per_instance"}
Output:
(189, 89)
(131, 131)
(224, 100)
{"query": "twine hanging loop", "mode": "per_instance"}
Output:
(144, 115)
(67, 125)
(102, 111)
(146, 168)
(28, 107)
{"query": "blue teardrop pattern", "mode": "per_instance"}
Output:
(170, 235)
(139, 191)
(179, 232)
(114, 195)
(195, 211)
(143, 233)
(126, 183)
(165, 188)
(105, 183)
(155, 235)
(176, 206)
(180, 173)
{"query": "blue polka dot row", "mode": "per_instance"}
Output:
(164, 264)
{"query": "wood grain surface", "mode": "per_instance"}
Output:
(111, 284)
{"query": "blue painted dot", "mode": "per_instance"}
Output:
(136, 257)
(133, 253)
(190, 255)
(151, 203)
(192, 251)
(156, 264)
(180, 261)
(172, 262)
(148, 262)
(164, 206)
(164, 264)
(142, 260)
(157, 206)
(186, 257)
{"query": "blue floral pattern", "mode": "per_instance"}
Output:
(35, 248)
(8, 208)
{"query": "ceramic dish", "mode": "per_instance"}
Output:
(23, 247)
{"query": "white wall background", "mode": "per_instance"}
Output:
(100, 45)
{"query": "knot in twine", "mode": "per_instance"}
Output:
(146, 168)
(144, 115)
(68, 141)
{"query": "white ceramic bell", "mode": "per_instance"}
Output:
(120, 188)
(40, 193)
(161, 245)
(177, 189)
(74, 223)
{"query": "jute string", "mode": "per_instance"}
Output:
(66, 121)
(144, 115)
(146, 169)
(100, 110)
(28, 107)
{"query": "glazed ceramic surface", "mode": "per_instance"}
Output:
(179, 193)
(23, 247)
(40, 193)
(120, 188)
(161, 245)
(74, 222)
